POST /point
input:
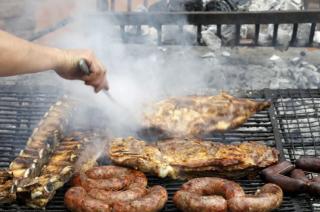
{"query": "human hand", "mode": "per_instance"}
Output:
(68, 68)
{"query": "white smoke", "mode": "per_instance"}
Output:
(137, 74)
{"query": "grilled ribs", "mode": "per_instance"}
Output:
(183, 158)
(192, 116)
(42, 142)
(58, 171)
(7, 187)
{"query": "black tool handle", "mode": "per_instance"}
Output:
(83, 66)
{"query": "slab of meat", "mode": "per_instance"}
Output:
(186, 158)
(192, 116)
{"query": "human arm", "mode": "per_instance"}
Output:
(18, 56)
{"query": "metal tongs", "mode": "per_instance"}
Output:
(84, 68)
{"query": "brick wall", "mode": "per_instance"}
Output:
(24, 17)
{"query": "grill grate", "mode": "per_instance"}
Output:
(293, 122)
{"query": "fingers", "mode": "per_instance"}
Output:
(97, 78)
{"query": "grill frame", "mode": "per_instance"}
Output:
(265, 126)
(200, 19)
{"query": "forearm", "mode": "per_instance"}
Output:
(18, 56)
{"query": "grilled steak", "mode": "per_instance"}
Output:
(7, 188)
(196, 115)
(42, 142)
(183, 158)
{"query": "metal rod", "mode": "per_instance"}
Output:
(275, 34)
(199, 29)
(210, 18)
(312, 31)
(294, 34)
(257, 32)
(219, 30)
(237, 36)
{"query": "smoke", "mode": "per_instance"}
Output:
(137, 74)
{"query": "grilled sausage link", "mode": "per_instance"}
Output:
(193, 195)
(288, 184)
(307, 163)
(299, 174)
(77, 200)
(154, 201)
(280, 168)
(268, 198)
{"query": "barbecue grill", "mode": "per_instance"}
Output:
(292, 124)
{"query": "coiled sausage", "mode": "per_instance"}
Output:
(267, 198)
(220, 195)
(111, 188)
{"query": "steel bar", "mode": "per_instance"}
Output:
(208, 18)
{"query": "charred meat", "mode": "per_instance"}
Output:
(183, 158)
(192, 116)
(7, 187)
(42, 142)
(56, 172)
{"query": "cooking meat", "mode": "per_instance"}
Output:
(308, 163)
(42, 142)
(77, 200)
(183, 158)
(7, 187)
(267, 198)
(192, 116)
(206, 194)
(153, 201)
(56, 172)
(95, 191)
(215, 194)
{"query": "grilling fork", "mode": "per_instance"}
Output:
(84, 68)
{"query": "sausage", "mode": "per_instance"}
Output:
(288, 184)
(187, 201)
(116, 189)
(77, 200)
(105, 172)
(154, 201)
(314, 189)
(191, 202)
(299, 174)
(280, 168)
(193, 195)
(213, 185)
(316, 179)
(268, 198)
(136, 189)
(307, 163)
(108, 178)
